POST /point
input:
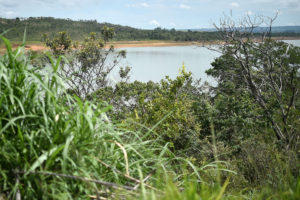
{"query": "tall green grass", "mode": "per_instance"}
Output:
(43, 129)
(55, 146)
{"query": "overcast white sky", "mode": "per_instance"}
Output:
(177, 14)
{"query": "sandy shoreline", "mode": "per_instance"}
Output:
(132, 44)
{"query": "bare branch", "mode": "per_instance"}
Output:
(108, 184)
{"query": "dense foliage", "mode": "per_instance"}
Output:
(250, 119)
(237, 140)
(55, 146)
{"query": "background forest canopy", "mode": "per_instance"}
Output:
(37, 26)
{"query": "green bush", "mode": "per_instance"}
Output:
(264, 164)
(169, 110)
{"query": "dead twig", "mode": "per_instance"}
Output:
(130, 177)
(95, 197)
(143, 181)
(108, 184)
(125, 156)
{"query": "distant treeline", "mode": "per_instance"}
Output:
(37, 26)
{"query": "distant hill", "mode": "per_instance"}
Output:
(36, 26)
(280, 29)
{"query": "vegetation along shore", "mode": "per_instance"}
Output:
(68, 132)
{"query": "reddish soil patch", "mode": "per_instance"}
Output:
(35, 47)
(128, 44)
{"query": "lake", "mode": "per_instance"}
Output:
(154, 63)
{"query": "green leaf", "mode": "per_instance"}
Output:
(53, 156)
(66, 147)
(13, 120)
(43, 158)
(9, 49)
(222, 189)
(57, 64)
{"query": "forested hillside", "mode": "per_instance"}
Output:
(37, 26)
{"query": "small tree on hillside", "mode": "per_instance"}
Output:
(60, 44)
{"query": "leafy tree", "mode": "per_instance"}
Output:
(268, 70)
(236, 116)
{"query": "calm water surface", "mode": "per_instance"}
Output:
(154, 63)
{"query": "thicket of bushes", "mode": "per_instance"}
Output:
(53, 145)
